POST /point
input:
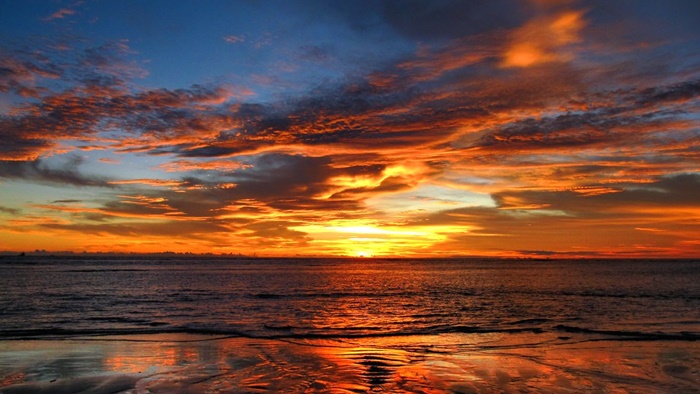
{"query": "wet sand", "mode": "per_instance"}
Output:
(454, 363)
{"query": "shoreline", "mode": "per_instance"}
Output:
(453, 363)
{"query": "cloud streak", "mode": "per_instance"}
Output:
(60, 14)
(39, 171)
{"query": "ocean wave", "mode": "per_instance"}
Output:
(291, 332)
(103, 270)
(359, 294)
(631, 335)
(63, 333)
(535, 321)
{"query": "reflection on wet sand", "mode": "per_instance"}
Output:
(457, 363)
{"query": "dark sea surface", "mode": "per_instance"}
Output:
(47, 297)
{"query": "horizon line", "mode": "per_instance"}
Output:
(231, 255)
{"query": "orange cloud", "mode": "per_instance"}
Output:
(191, 165)
(544, 39)
(429, 65)
(149, 182)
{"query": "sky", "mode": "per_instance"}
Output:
(514, 128)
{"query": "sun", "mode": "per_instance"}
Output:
(363, 254)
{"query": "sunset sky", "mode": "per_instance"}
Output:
(361, 128)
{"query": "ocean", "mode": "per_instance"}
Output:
(437, 311)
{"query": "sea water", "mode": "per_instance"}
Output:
(381, 314)
(346, 297)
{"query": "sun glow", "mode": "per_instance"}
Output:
(365, 238)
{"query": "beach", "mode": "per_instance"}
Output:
(451, 363)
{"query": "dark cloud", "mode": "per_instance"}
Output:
(677, 93)
(340, 113)
(162, 114)
(40, 171)
(284, 176)
(569, 130)
(281, 182)
(686, 184)
(99, 101)
(11, 211)
(32, 72)
(105, 66)
(637, 116)
(674, 190)
(18, 142)
(273, 181)
(20, 71)
(297, 182)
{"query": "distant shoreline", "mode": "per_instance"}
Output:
(5, 255)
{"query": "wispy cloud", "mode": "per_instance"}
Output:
(11, 211)
(544, 39)
(60, 14)
(39, 171)
(234, 39)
